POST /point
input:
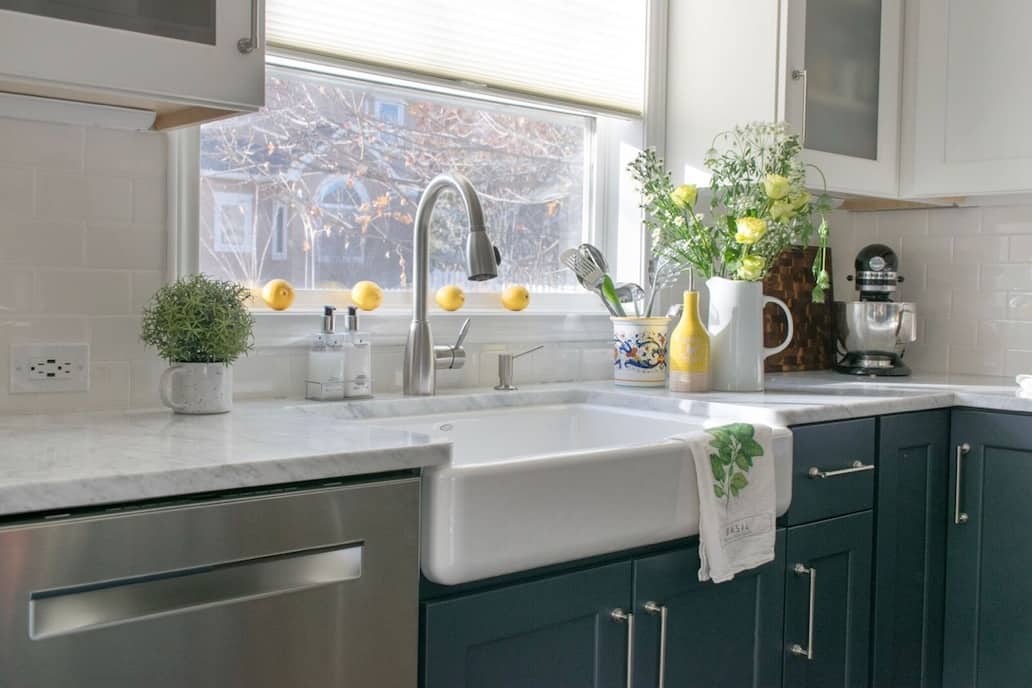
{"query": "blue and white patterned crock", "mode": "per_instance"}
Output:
(640, 351)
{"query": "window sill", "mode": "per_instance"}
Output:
(389, 326)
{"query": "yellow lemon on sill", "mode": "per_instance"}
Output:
(450, 298)
(516, 297)
(367, 295)
(278, 294)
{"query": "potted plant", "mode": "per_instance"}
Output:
(200, 326)
(758, 207)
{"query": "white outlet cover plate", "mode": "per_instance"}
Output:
(60, 367)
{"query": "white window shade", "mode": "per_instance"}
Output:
(585, 52)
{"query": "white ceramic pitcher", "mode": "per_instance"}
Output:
(736, 334)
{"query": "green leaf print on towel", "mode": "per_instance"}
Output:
(736, 450)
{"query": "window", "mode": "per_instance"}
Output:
(279, 234)
(232, 216)
(334, 167)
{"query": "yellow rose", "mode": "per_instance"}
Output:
(684, 195)
(749, 230)
(752, 268)
(776, 186)
(781, 211)
(799, 200)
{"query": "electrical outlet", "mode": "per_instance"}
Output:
(50, 368)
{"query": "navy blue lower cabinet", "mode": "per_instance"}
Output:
(828, 603)
(910, 550)
(557, 632)
(726, 634)
(988, 625)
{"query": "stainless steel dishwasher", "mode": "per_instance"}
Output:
(303, 589)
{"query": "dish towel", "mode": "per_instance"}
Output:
(735, 467)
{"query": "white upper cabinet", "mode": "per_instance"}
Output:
(842, 85)
(829, 67)
(186, 60)
(968, 98)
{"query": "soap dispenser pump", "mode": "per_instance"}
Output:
(339, 364)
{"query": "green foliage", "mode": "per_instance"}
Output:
(756, 174)
(736, 449)
(199, 320)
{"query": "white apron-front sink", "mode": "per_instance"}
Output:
(537, 485)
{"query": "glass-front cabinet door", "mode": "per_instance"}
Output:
(843, 62)
(156, 54)
(187, 20)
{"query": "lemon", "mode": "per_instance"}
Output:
(278, 294)
(450, 298)
(516, 297)
(367, 295)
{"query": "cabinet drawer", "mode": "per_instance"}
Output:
(830, 471)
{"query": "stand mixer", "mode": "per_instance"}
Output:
(872, 333)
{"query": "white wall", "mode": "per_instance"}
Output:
(82, 248)
(970, 272)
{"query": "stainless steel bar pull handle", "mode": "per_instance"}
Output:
(959, 517)
(796, 648)
(620, 616)
(250, 44)
(653, 608)
(800, 75)
(855, 467)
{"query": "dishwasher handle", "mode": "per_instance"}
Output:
(87, 607)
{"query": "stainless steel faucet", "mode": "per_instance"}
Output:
(422, 358)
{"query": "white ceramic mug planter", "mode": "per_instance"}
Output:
(640, 351)
(197, 388)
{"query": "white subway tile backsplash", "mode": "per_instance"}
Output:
(937, 249)
(948, 331)
(981, 360)
(36, 144)
(116, 338)
(144, 284)
(121, 153)
(42, 243)
(1020, 249)
(893, 225)
(943, 275)
(972, 307)
(1009, 276)
(1017, 362)
(126, 246)
(1019, 306)
(954, 222)
(980, 249)
(83, 197)
(1007, 220)
(82, 292)
(17, 289)
(17, 186)
(149, 200)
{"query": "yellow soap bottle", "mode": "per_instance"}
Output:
(690, 350)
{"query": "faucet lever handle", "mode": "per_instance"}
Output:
(463, 331)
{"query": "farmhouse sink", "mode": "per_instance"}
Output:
(540, 484)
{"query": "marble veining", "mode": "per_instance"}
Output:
(65, 461)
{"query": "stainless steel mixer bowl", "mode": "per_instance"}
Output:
(875, 325)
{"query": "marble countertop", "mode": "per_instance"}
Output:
(75, 460)
(59, 462)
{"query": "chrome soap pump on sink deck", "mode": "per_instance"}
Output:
(422, 358)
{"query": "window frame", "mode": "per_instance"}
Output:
(612, 205)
